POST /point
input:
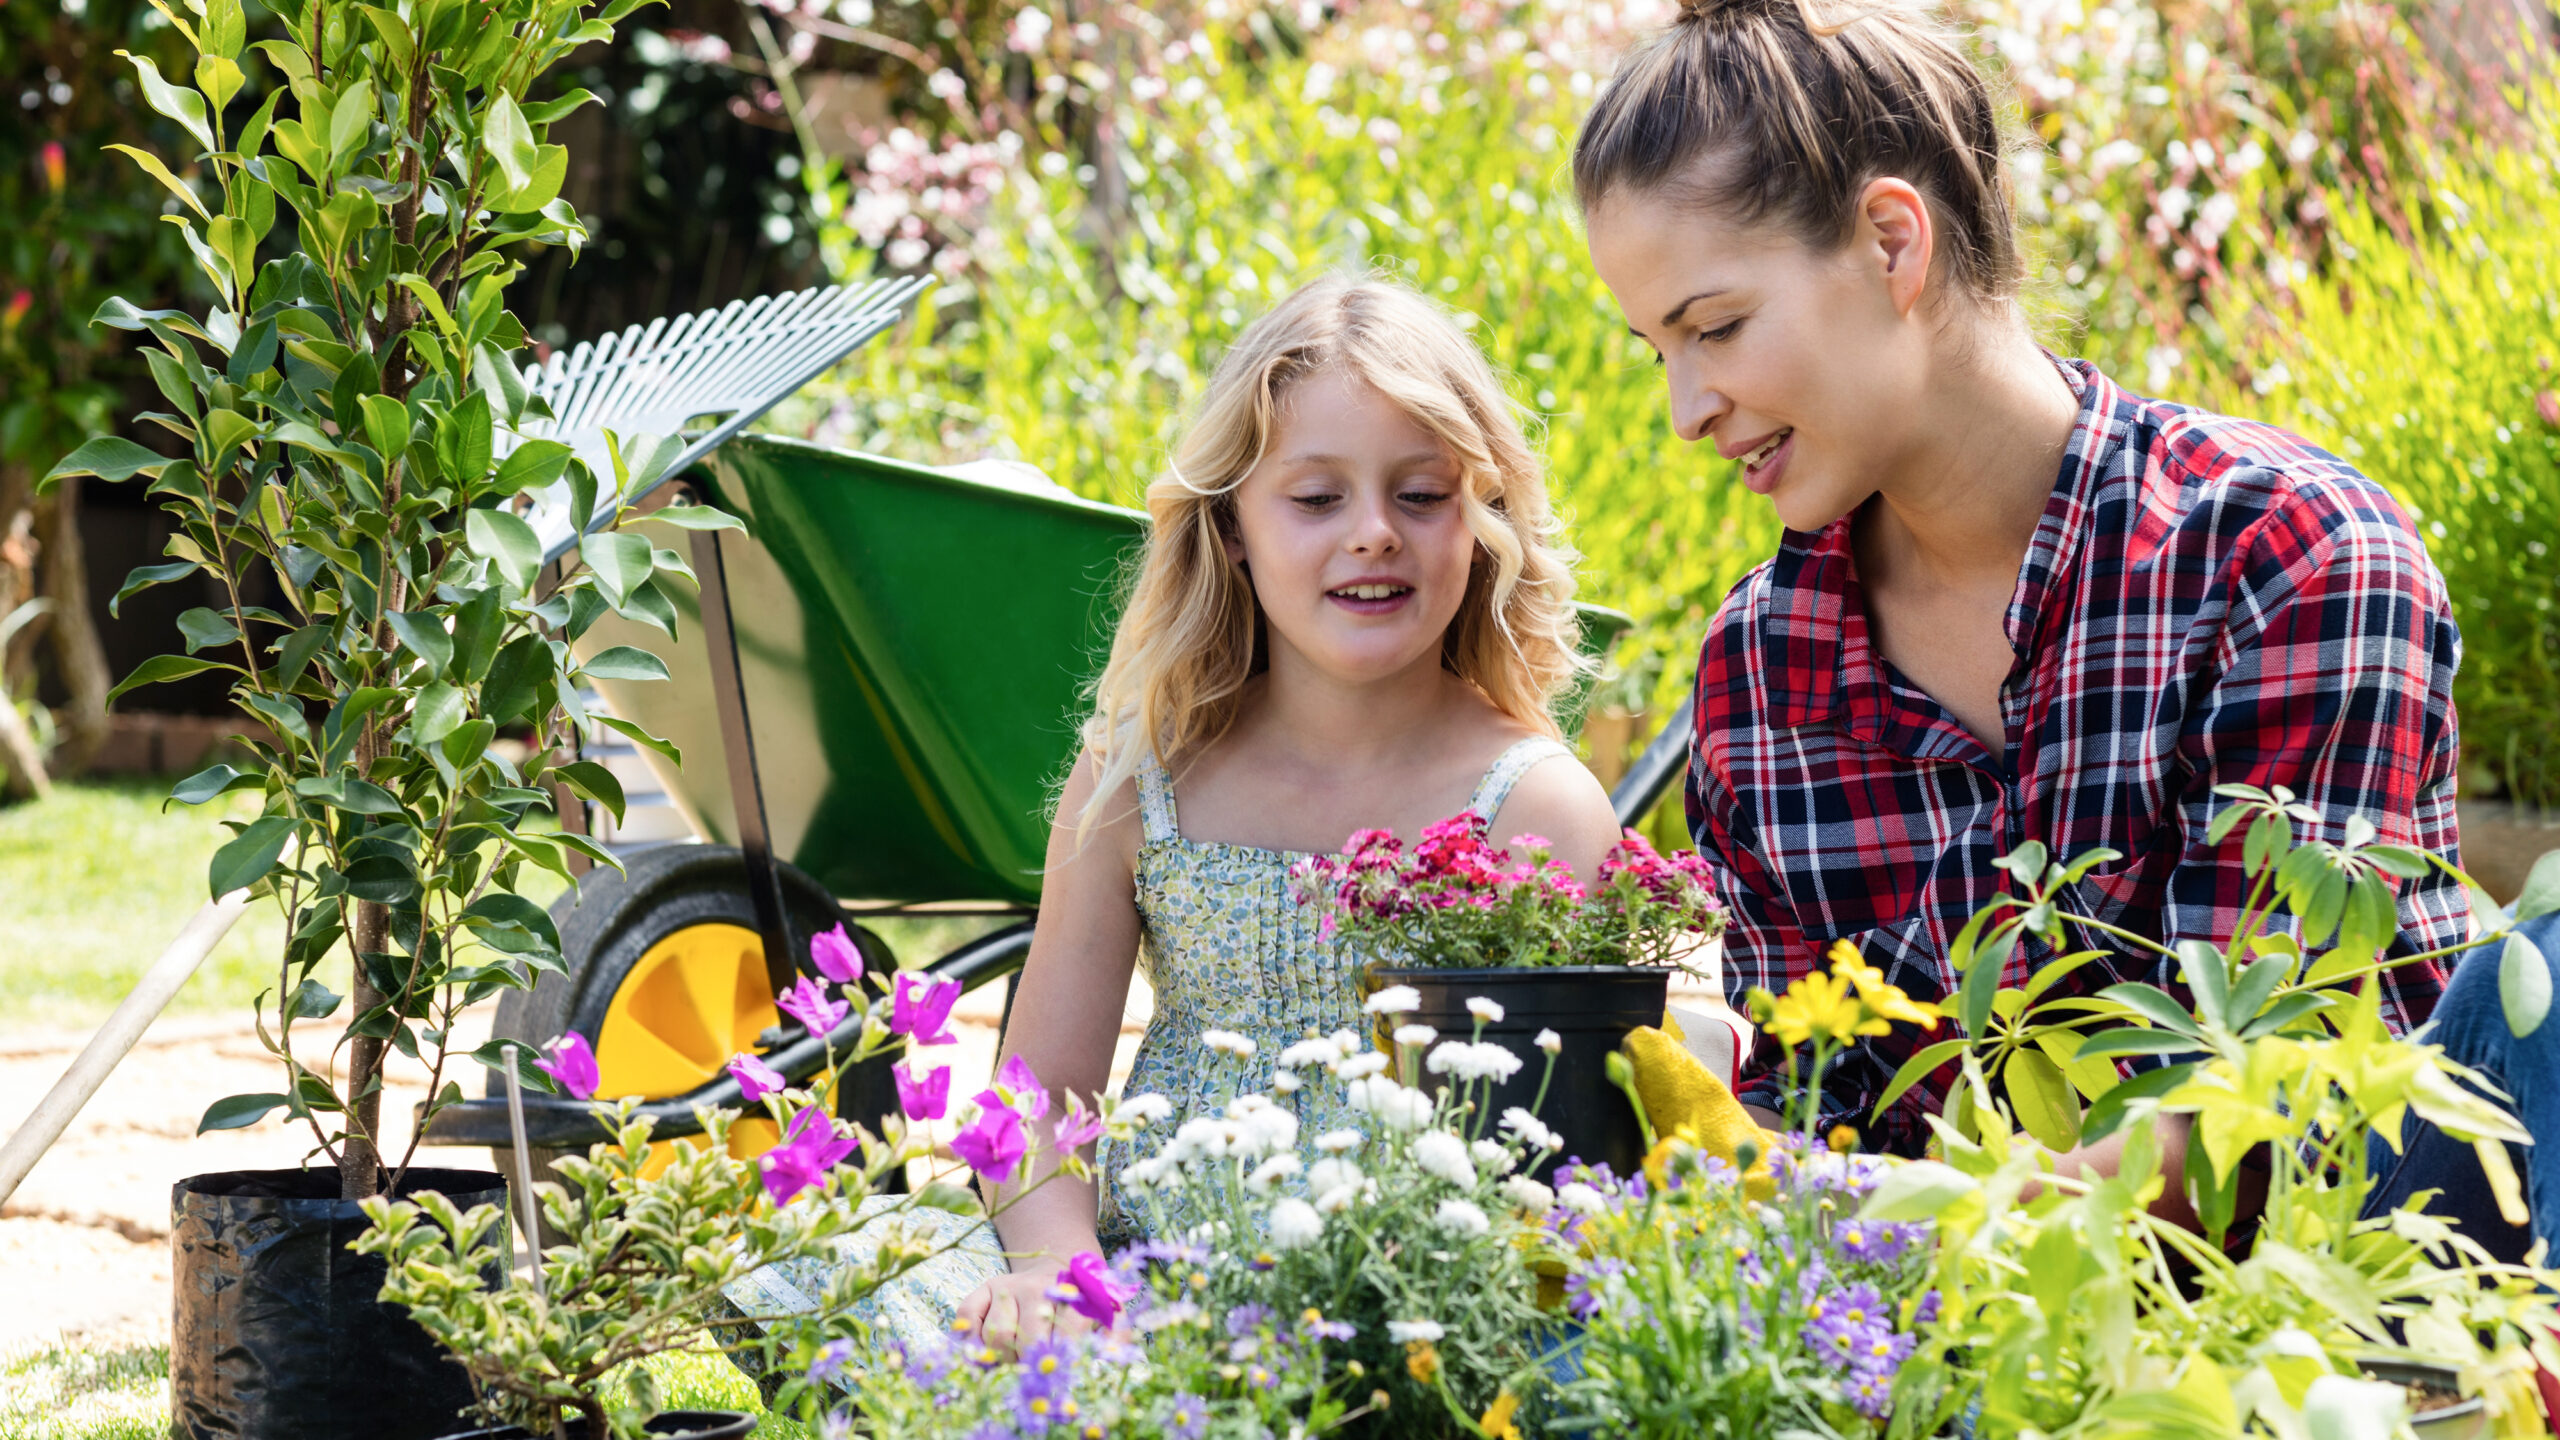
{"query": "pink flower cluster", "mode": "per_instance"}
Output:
(1456, 899)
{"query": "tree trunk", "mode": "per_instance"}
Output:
(77, 653)
(360, 1154)
(21, 768)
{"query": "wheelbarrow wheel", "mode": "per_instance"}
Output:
(665, 977)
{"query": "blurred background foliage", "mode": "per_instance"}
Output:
(2334, 214)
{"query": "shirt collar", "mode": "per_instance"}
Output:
(1813, 578)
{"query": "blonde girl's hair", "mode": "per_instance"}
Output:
(1191, 634)
(1762, 110)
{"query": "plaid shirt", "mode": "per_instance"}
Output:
(2205, 601)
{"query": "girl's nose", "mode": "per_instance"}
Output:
(1374, 531)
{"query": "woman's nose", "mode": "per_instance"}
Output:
(1695, 405)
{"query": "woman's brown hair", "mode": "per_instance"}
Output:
(1759, 111)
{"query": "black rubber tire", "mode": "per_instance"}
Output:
(612, 919)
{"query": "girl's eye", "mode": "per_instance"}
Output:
(1317, 502)
(1423, 498)
(1723, 332)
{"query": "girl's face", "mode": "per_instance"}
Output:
(1351, 533)
(1803, 366)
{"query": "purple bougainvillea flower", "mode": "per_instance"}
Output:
(1021, 1090)
(923, 1098)
(756, 1079)
(572, 1065)
(1077, 1125)
(809, 1149)
(836, 956)
(920, 1009)
(807, 1003)
(993, 1144)
(1086, 1287)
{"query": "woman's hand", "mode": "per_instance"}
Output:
(1013, 1311)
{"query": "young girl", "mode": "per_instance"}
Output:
(2013, 600)
(1352, 613)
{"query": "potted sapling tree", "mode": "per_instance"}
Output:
(337, 417)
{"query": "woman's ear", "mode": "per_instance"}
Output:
(1895, 225)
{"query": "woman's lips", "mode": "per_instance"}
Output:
(1763, 477)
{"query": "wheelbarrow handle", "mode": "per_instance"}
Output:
(1656, 770)
(555, 1122)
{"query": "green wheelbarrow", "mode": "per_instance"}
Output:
(873, 692)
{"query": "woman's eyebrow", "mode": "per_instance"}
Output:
(1401, 462)
(1672, 316)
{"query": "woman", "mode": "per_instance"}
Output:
(2013, 601)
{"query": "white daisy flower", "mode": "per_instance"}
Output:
(1394, 1000)
(1415, 1035)
(1339, 1142)
(1549, 1041)
(1229, 1042)
(1485, 1010)
(1528, 1194)
(1461, 1218)
(1529, 1130)
(1444, 1155)
(1294, 1223)
(1405, 1332)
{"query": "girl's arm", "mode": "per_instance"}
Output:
(1066, 1021)
(1563, 801)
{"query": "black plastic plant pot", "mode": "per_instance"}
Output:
(1590, 1007)
(278, 1331)
(2460, 1420)
(671, 1424)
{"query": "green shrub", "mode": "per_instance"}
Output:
(2427, 361)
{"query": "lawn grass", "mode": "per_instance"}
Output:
(78, 1391)
(96, 881)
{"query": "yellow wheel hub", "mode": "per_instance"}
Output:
(696, 998)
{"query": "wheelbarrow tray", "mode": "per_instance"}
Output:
(913, 645)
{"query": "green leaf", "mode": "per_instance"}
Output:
(550, 172)
(638, 736)
(1915, 1069)
(232, 1112)
(595, 782)
(152, 167)
(530, 466)
(509, 141)
(501, 909)
(2108, 1111)
(496, 377)
(350, 120)
(620, 563)
(464, 441)
(439, 713)
(2286, 1012)
(519, 677)
(2153, 1004)
(477, 624)
(625, 662)
(2524, 985)
(1982, 981)
(294, 652)
(2208, 979)
(2042, 1099)
(386, 424)
(207, 783)
(425, 636)
(1921, 1190)
(184, 106)
(312, 1000)
(2134, 1042)
(696, 517)
(144, 577)
(651, 605)
(2541, 893)
(160, 669)
(204, 628)
(109, 457)
(507, 543)
(249, 855)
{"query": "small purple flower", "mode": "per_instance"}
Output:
(1323, 1329)
(918, 1010)
(1048, 1376)
(809, 1149)
(571, 1064)
(807, 1003)
(755, 1078)
(1582, 1288)
(1926, 1312)
(1184, 1417)
(1871, 1392)
(836, 956)
(1246, 1319)
(1022, 1089)
(923, 1098)
(1875, 1242)
(1847, 1324)
(1086, 1287)
(831, 1361)
(992, 1145)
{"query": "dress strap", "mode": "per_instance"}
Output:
(1506, 771)
(1155, 799)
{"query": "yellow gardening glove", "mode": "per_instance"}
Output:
(1685, 1101)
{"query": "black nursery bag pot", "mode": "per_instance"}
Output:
(1590, 1007)
(666, 1424)
(277, 1331)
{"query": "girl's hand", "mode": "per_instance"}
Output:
(1013, 1311)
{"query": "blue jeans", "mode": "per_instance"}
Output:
(2471, 1025)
